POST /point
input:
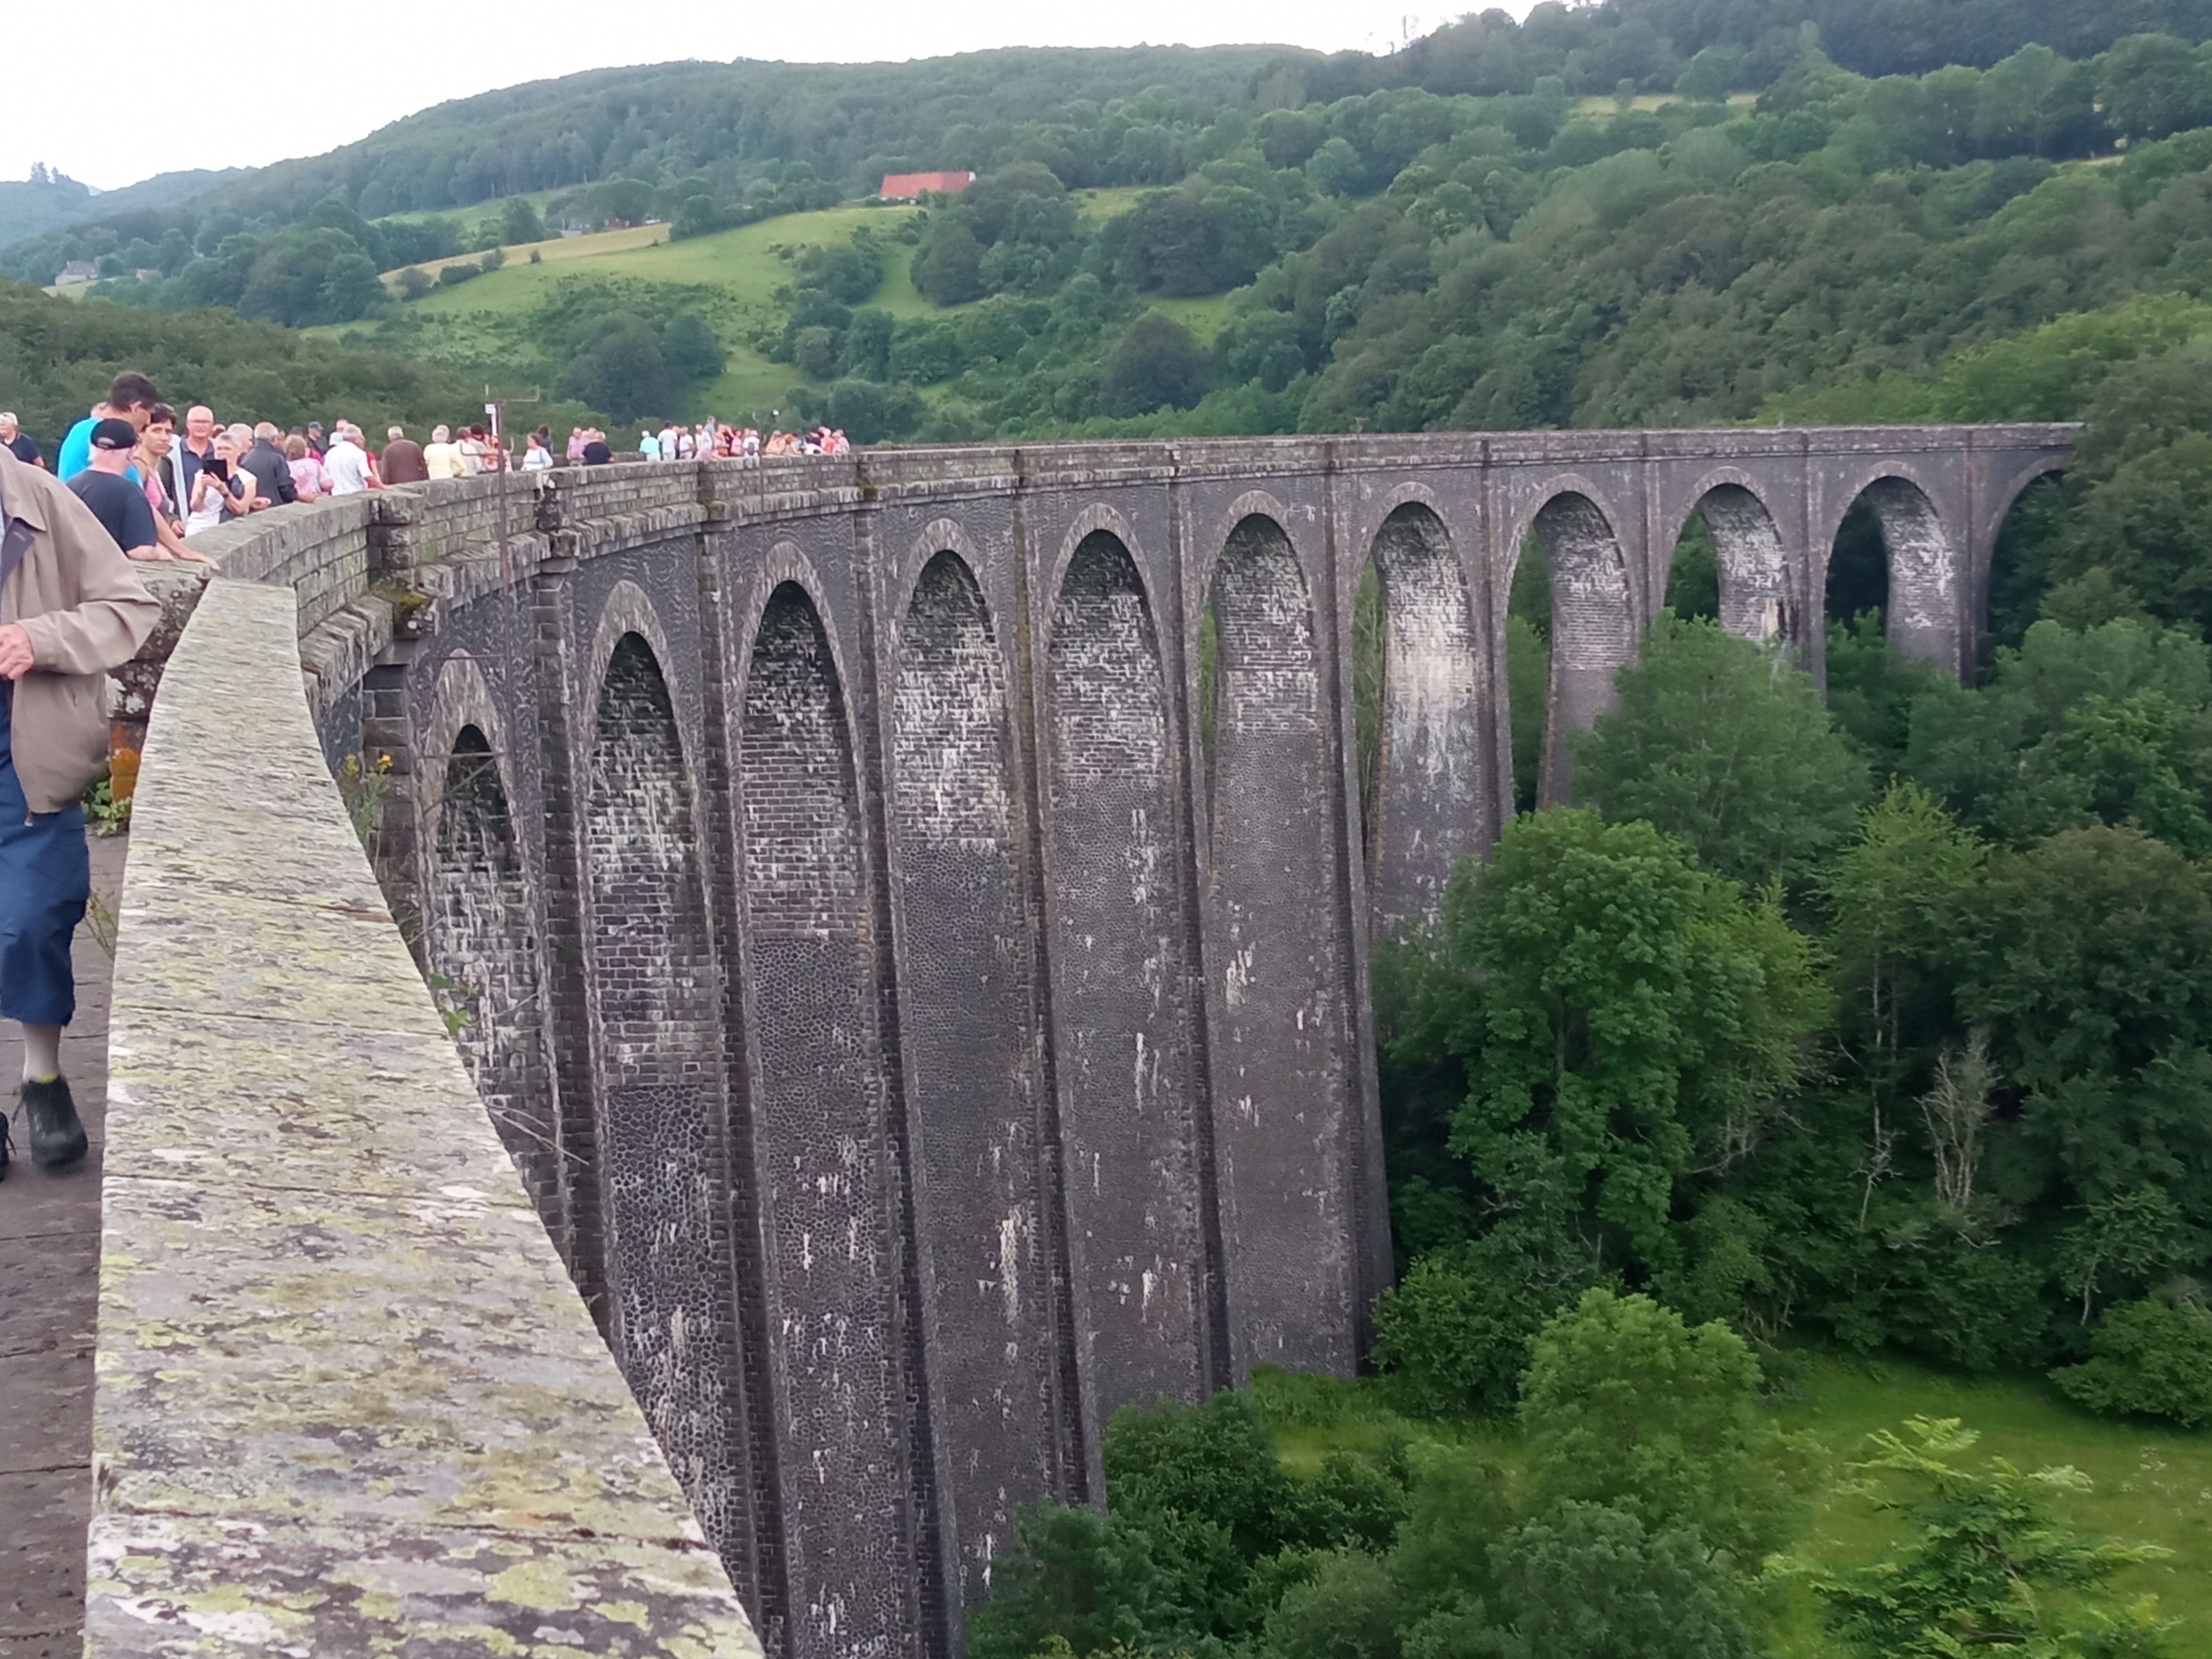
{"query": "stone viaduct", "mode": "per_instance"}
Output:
(907, 915)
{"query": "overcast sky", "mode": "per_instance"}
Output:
(243, 88)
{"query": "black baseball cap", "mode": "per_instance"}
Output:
(114, 433)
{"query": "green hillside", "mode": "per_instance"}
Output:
(492, 323)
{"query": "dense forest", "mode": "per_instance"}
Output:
(56, 356)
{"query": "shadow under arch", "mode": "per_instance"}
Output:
(1426, 792)
(1119, 931)
(482, 941)
(967, 983)
(657, 1053)
(1281, 1123)
(1916, 571)
(1593, 627)
(820, 1142)
(2014, 573)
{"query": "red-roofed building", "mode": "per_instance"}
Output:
(905, 186)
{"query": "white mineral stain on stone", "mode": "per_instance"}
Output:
(1010, 1251)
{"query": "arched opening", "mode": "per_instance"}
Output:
(658, 1062)
(1279, 1111)
(1693, 572)
(968, 1030)
(1370, 647)
(1528, 668)
(482, 957)
(1751, 597)
(1426, 779)
(1592, 630)
(2020, 563)
(1118, 913)
(1859, 573)
(818, 1136)
(1893, 557)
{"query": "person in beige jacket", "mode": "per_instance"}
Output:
(71, 609)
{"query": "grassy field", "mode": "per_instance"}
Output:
(744, 261)
(1603, 104)
(731, 277)
(540, 199)
(2152, 1484)
(734, 272)
(558, 248)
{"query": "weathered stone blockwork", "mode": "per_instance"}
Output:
(924, 1028)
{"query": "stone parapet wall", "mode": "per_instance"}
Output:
(347, 1401)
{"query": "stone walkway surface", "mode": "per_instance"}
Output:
(49, 1301)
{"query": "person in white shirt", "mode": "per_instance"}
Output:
(439, 457)
(347, 465)
(536, 458)
(668, 441)
(219, 492)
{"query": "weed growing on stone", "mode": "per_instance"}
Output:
(453, 999)
(106, 815)
(363, 788)
(99, 915)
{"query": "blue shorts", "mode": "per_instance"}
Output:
(46, 875)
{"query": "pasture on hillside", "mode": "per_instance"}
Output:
(729, 277)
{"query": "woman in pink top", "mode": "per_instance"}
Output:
(308, 478)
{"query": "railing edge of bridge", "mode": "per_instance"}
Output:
(346, 1396)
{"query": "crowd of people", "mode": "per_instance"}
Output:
(132, 479)
(671, 440)
(154, 479)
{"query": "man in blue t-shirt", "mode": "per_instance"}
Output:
(131, 398)
(119, 504)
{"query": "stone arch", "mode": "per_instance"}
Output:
(1135, 1180)
(2007, 495)
(1431, 795)
(1755, 600)
(1281, 1118)
(819, 1146)
(1594, 628)
(626, 610)
(482, 941)
(1924, 607)
(655, 993)
(966, 979)
(1096, 519)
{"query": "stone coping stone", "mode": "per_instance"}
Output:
(347, 1401)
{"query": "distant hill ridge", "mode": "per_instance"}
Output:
(854, 123)
(33, 206)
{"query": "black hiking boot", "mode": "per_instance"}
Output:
(56, 1132)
